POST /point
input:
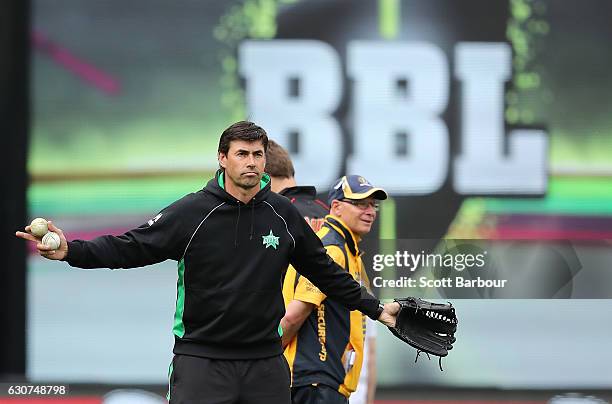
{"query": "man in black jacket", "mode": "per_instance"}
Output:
(303, 197)
(232, 240)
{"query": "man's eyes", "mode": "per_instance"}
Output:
(244, 154)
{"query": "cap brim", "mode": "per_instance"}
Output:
(376, 193)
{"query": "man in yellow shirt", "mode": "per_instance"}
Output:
(323, 340)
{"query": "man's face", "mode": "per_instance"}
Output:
(244, 163)
(358, 215)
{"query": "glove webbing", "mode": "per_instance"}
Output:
(416, 309)
(429, 357)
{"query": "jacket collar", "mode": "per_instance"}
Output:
(217, 187)
(303, 192)
(340, 227)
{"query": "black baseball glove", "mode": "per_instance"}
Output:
(428, 327)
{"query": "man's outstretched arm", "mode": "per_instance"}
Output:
(150, 243)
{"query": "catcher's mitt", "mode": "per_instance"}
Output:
(428, 327)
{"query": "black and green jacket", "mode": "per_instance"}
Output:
(231, 260)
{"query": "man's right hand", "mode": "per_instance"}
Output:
(43, 250)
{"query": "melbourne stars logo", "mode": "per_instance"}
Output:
(270, 240)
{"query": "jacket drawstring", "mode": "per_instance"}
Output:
(252, 218)
(236, 229)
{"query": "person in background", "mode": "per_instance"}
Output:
(366, 387)
(324, 341)
(282, 173)
(280, 168)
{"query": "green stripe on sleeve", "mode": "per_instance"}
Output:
(179, 327)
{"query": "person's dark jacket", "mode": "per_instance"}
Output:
(304, 198)
(231, 260)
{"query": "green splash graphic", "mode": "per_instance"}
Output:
(526, 27)
(253, 19)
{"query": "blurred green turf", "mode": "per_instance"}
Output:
(111, 196)
(578, 196)
(566, 196)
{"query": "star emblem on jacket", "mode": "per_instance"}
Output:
(270, 240)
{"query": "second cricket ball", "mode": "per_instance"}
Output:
(51, 240)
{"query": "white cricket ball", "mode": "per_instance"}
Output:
(52, 240)
(39, 227)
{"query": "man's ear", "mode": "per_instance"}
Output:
(335, 207)
(221, 157)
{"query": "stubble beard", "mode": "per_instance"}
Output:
(247, 183)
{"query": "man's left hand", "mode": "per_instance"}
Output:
(389, 314)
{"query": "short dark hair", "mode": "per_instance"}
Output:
(243, 130)
(278, 162)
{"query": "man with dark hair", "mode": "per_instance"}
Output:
(278, 162)
(232, 241)
(304, 198)
(242, 130)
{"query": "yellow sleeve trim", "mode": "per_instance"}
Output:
(307, 292)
